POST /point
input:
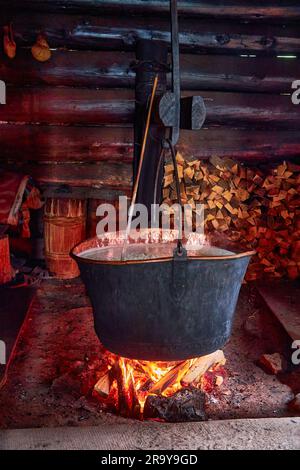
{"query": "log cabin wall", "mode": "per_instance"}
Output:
(68, 121)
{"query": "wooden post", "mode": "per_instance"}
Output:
(5, 267)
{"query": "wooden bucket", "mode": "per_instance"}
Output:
(64, 227)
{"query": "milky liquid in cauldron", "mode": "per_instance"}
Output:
(142, 251)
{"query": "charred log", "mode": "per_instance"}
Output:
(187, 404)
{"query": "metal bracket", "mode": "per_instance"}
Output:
(175, 112)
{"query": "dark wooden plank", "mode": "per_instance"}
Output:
(97, 107)
(239, 9)
(21, 143)
(120, 32)
(92, 175)
(112, 70)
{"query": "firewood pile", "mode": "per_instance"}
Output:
(257, 207)
(155, 390)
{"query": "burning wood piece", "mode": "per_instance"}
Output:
(201, 365)
(128, 402)
(170, 391)
(187, 404)
(219, 380)
(103, 385)
(173, 376)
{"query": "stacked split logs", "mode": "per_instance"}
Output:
(259, 208)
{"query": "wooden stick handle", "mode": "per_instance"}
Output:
(137, 180)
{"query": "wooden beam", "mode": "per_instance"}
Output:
(97, 107)
(121, 33)
(91, 175)
(67, 105)
(112, 70)
(245, 10)
(70, 68)
(233, 73)
(65, 143)
(64, 191)
(38, 143)
(241, 144)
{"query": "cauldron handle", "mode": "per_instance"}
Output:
(180, 251)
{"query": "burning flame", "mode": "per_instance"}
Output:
(144, 375)
(127, 382)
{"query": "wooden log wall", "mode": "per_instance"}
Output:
(69, 120)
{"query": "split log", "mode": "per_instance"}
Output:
(172, 377)
(102, 387)
(256, 207)
(188, 404)
(201, 365)
(5, 266)
(128, 403)
(271, 363)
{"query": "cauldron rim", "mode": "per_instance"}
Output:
(90, 243)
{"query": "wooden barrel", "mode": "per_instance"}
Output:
(64, 227)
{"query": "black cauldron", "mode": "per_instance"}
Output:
(165, 309)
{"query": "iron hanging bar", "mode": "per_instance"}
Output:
(175, 71)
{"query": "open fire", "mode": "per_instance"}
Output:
(159, 390)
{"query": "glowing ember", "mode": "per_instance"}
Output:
(127, 383)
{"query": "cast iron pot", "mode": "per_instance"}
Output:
(167, 309)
